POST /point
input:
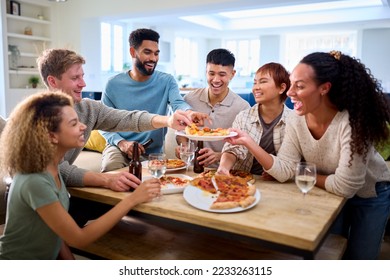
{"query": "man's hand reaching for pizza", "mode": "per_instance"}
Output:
(198, 118)
(180, 119)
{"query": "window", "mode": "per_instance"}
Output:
(186, 57)
(112, 47)
(299, 45)
(247, 53)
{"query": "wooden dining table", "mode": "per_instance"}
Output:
(273, 222)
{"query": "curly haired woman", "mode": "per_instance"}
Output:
(38, 133)
(341, 114)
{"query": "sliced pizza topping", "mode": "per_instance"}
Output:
(243, 174)
(204, 183)
(239, 173)
(175, 163)
(179, 182)
(193, 129)
(232, 191)
(208, 173)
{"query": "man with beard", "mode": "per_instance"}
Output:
(141, 88)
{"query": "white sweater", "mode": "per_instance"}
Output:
(331, 154)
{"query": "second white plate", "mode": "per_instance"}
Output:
(145, 165)
(171, 188)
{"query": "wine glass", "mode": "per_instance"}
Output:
(157, 166)
(187, 152)
(305, 178)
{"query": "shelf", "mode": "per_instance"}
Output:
(28, 19)
(25, 54)
(16, 84)
(28, 37)
(26, 91)
(25, 71)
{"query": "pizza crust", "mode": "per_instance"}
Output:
(247, 201)
(224, 205)
(251, 189)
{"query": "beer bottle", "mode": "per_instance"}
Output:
(197, 167)
(135, 165)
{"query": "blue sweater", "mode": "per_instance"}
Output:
(153, 95)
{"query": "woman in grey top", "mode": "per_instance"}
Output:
(38, 225)
(341, 113)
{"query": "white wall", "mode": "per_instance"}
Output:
(375, 54)
(76, 25)
(269, 49)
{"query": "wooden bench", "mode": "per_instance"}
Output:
(136, 239)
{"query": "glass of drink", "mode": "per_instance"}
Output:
(187, 152)
(157, 166)
(305, 178)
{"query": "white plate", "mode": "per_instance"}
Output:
(145, 165)
(170, 188)
(203, 200)
(206, 138)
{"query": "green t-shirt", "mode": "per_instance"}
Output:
(26, 236)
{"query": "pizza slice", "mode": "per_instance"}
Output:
(233, 192)
(176, 181)
(239, 173)
(208, 173)
(175, 163)
(243, 174)
(180, 182)
(205, 184)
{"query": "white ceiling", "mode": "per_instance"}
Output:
(207, 18)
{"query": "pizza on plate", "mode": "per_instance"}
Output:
(176, 181)
(208, 173)
(193, 129)
(204, 183)
(230, 191)
(239, 173)
(243, 174)
(233, 192)
(175, 163)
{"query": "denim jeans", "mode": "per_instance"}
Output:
(363, 221)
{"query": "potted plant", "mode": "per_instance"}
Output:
(33, 80)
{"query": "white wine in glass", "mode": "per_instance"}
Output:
(157, 166)
(187, 152)
(305, 178)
